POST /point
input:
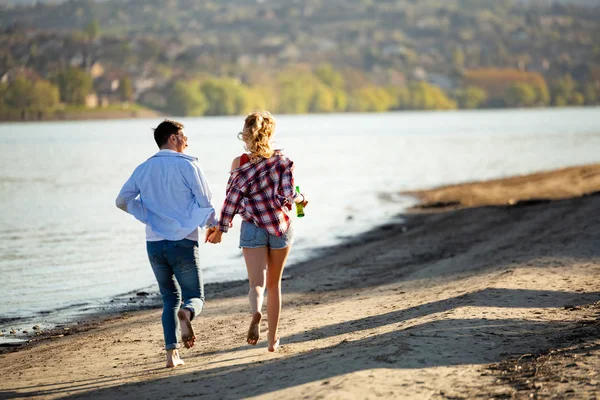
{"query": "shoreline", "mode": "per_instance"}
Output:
(99, 115)
(136, 301)
(463, 299)
(90, 115)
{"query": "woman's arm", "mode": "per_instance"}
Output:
(232, 201)
(236, 163)
(289, 189)
(229, 209)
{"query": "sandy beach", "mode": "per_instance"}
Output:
(485, 290)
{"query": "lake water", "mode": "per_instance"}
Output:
(63, 243)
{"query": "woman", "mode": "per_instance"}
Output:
(261, 190)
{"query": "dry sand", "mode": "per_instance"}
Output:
(455, 302)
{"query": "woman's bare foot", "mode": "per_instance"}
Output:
(187, 332)
(273, 345)
(173, 359)
(254, 330)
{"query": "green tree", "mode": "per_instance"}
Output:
(92, 30)
(542, 94)
(125, 89)
(294, 97)
(74, 85)
(520, 95)
(330, 77)
(578, 99)
(296, 91)
(471, 97)
(563, 90)
(3, 93)
(19, 94)
(324, 100)
(23, 95)
(458, 58)
(401, 96)
(262, 97)
(590, 93)
(186, 99)
(340, 100)
(560, 101)
(424, 96)
(371, 98)
(44, 96)
(225, 97)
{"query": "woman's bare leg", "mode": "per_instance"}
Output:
(256, 264)
(276, 263)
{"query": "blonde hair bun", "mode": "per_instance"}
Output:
(259, 128)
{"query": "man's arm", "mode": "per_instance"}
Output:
(127, 195)
(203, 195)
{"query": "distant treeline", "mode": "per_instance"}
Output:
(324, 89)
(26, 97)
(297, 90)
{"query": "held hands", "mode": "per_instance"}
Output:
(213, 235)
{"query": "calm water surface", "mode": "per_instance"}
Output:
(64, 243)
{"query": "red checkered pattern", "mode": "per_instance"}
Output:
(261, 193)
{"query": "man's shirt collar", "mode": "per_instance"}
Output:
(173, 153)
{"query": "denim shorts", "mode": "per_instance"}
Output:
(252, 237)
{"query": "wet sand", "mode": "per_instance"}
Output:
(487, 290)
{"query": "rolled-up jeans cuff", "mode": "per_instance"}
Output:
(191, 310)
(172, 346)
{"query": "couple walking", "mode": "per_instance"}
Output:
(169, 193)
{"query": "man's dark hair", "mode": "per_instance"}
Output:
(164, 130)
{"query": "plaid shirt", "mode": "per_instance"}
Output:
(262, 193)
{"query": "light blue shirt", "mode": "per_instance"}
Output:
(169, 193)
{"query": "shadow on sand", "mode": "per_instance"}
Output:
(447, 342)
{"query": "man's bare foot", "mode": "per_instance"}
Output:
(187, 332)
(173, 359)
(273, 345)
(254, 330)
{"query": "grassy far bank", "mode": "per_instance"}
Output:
(73, 112)
(139, 111)
(294, 90)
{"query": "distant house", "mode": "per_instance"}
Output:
(290, 52)
(541, 65)
(393, 49)
(154, 99)
(441, 81)
(141, 85)
(419, 74)
(77, 60)
(96, 70)
(91, 100)
(326, 45)
(248, 59)
(107, 89)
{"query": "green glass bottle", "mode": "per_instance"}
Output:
(299, 206)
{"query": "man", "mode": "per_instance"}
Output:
(169, 193)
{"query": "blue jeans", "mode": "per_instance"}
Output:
(176, 263)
